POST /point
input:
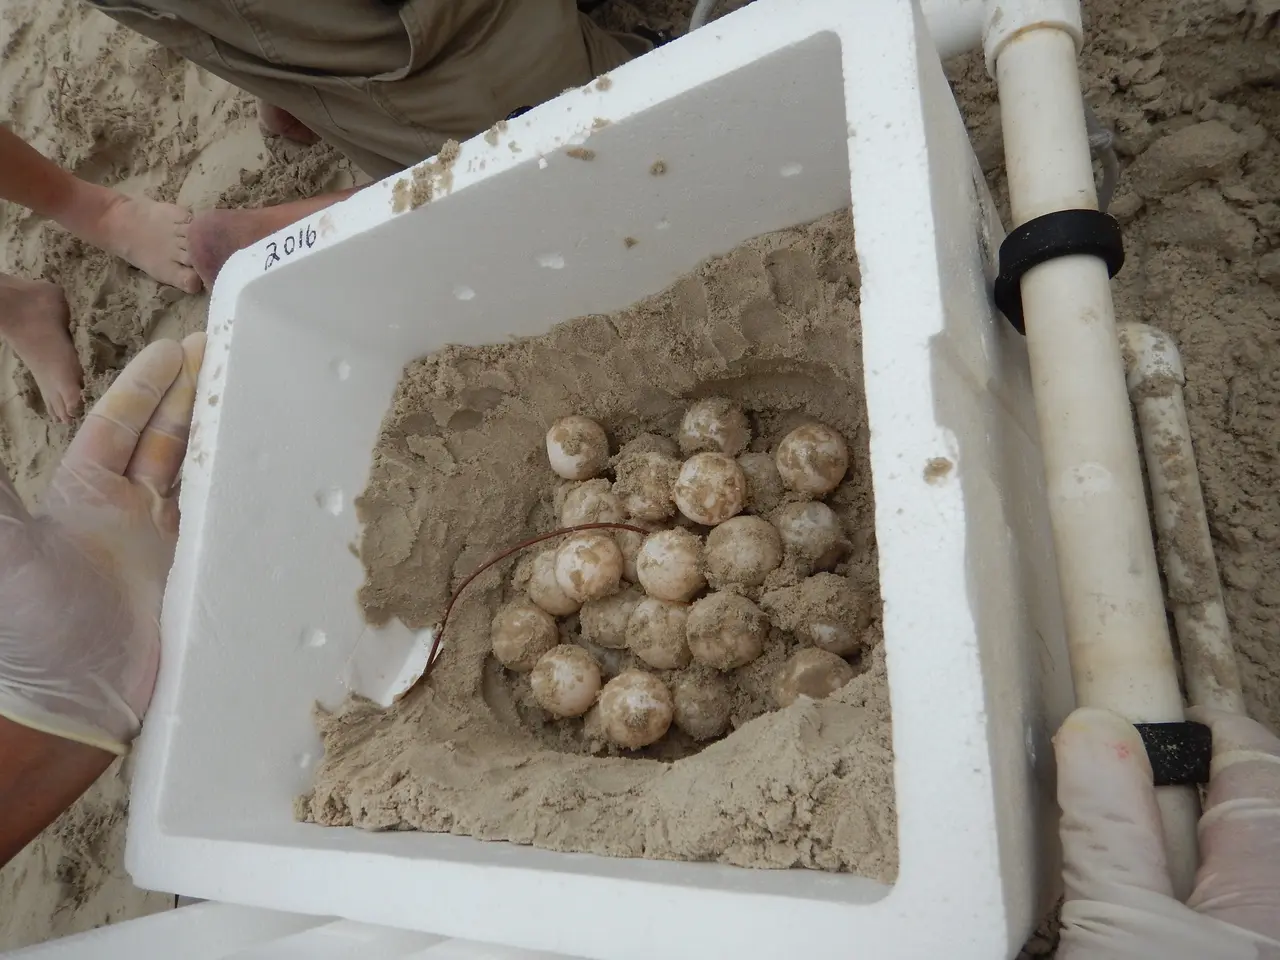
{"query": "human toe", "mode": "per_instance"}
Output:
(188, 281)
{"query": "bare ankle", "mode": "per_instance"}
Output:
(85, 210)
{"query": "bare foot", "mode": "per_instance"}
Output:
(33, 317)
(274, 122)
(216, 234)
(152, 236)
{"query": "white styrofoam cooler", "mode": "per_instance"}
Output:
(770, 117)
(222, 931)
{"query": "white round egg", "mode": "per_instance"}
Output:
(521, 633)
(710, 489)
(714, 425)
(589, 566)
(812, 459)
(577, 448)
(669, 565)
(742, 552)
(635, 709)
(545, 591)
(565, 681)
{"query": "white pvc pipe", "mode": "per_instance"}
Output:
(955, 25)
(1155, 380)
(1121, 657)
(1002, 20)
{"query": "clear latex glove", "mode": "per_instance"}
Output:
(1119, 901)
(81, 581)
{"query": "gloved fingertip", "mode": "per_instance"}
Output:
(193, 353)
(1232, 731)
(159, 358)
(1089, 730)
(1111, 833)
(107, 438)
(1239, 878)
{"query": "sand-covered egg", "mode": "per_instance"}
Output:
(764, 485)
(742, 551)
(656, 633)
(630, 542)
(545, 591)
(702, 703)
(669, 565)
(812, 459)
(726, 631)
(825, 610)
(813, 673)
(604, 621)
(565, 681)
(521, 633)
(710, 489)
(635, 709)
(591, 501)
(577, 448)
(811, 532)
(589, 566)
(714, 425)
(644, 486)
(648, 443)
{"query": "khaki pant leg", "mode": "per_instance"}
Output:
(425, 72)
(512, 54)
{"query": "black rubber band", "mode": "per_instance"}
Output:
(1180, 753)
(1060, 234)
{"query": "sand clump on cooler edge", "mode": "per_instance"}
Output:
(773, 327)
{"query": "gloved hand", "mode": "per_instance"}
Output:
(81, 581)
(1119, 901)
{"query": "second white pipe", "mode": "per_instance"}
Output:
(1155, 379)
(955, 25)
(1121, 656)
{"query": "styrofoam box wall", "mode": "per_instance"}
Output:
(222, 931)
(770, 117)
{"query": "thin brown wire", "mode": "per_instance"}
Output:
(434, 655)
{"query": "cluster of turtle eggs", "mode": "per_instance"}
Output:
(673, 597)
